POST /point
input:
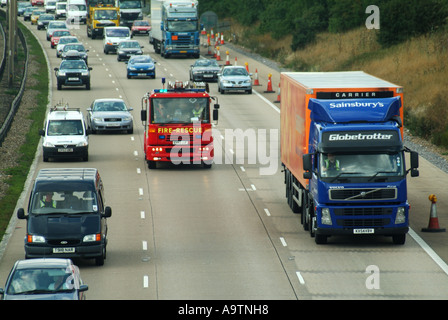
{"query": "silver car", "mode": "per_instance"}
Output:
(109, 115)
(234, 78)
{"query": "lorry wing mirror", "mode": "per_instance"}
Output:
(143, 115)
(414, 160)
(21, 213)
(307, 165)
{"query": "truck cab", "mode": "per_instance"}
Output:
(67, 215)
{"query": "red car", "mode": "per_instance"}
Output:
(56, 35)
(37, 2)
(140, 27)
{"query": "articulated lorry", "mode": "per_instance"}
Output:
(343, 154)
(101, 13)
(178, 125)
(175, 27)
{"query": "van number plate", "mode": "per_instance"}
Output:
(63, 250)
(364, 231)
(65, 150)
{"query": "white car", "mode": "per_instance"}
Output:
(55, 25)
(62, 42)
(4, 3)
(61, 10)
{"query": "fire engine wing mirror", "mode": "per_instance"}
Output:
(143, 115)
(307, 166)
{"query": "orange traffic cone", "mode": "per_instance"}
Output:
(218, 54)
(433, 225)
(222, 38)
(247, 66)
(256, 82)
(236, 61)
(227, 58)
(278, 95)
(269, 88)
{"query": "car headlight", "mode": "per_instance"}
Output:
(85, 73)
(61, 73)
(132, 68)
(120, 52)
(97, 119)
(225, 81)
(92, 237)
(127, 118)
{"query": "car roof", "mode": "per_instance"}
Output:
(42, 263)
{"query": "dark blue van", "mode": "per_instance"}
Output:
(67, 215)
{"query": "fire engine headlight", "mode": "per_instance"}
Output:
(401, 216)
(326, 217)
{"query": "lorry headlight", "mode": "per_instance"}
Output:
(326, 217)
(401, 217)
(32, 238)
(92, 237)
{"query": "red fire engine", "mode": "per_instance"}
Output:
(178, 125)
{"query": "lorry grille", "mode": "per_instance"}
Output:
(129, 15)
(368, 211)
(363, 194)
(362, 222)
(183, 40)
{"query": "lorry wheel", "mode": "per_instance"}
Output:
(399, 238)
(320, 239)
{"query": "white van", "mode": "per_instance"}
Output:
(113, 36)
(76, 12)
(65, 134)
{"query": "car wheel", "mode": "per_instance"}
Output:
(128, 76)
(88, 85)
(59, 85)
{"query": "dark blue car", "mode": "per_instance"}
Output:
(141, 66)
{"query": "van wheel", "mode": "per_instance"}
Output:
(99, 261)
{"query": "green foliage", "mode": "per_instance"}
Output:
(403, 19)
(399, 19)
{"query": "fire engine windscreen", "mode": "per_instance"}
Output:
(179, 110)
(362, 165)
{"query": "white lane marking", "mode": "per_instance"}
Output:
(144, 245)
(242, 169)
(145, 281)
(273, 106)
(301, 280)
(253, 187)
(434, 256)
(140, 191)
(142, 214)
(283, 241)
(139, 171)
(267, 212)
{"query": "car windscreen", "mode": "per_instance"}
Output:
(65, 128)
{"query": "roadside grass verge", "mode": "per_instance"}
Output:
(17, 174)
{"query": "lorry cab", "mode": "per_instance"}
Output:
(67, 215)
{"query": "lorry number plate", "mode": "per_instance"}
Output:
(364, 231)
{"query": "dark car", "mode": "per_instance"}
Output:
(141, 66)
(27, 13)
(140, 27)
(43, 21)
(128, 48)
(81, 52)
(73, 73)
(67, 215)
(204, 70)
(44, 279)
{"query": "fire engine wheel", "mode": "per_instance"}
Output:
(206, 165)
(152, 164)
